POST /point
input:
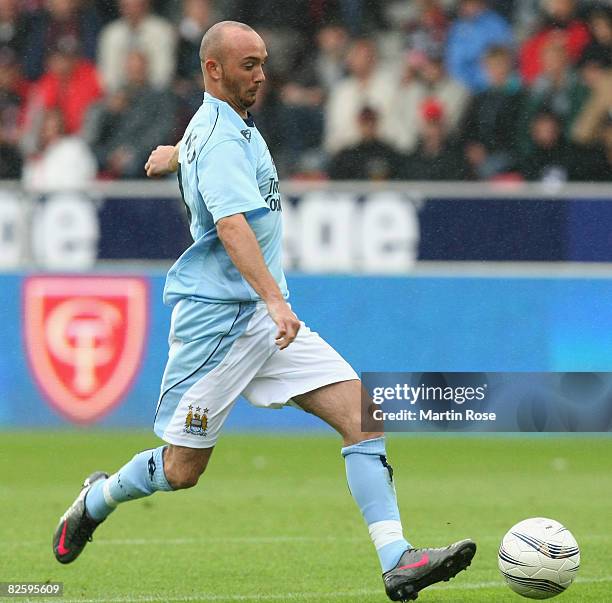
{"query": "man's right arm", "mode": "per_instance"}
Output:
(243, 249)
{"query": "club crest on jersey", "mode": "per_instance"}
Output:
(84, 338)
(196, 422)
(247, 134)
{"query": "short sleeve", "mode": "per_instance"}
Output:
(227, 181)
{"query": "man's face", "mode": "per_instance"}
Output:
(198, 10)
(361, 59)
(560, 9)
(545, 131)
(61, 63)
(8, 9)
(471, 8)
(62, 9)
(8, 75)
(432, 70)
(554, 58)
(602, 29)
(332, 39)
(498, 68)
(242, 67)
(133, 9)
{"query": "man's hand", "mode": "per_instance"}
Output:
(286, 321)
(162, 161)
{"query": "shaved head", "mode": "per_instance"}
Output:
(233, 56)
(216, 39)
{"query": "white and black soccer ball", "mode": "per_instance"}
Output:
(539, 558)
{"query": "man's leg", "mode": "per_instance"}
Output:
(406, 570)
(161, 469)
(165, 468)
(369, 476)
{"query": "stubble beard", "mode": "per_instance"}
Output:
(241, 100)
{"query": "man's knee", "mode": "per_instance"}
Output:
(340, 405)
(184, 466)
(353, 425)
(356, 427)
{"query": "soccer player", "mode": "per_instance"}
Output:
(233, 333)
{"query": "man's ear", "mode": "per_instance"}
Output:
(213, 69)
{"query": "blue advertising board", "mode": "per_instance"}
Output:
(325, 231)
(456, 324)
(477, 229)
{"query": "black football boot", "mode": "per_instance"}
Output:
(76, 527)
(419, 568)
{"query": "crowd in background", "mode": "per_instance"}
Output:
(355, 89)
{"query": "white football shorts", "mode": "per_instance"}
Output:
(221, 351)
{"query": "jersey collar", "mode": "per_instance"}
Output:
(248, 120)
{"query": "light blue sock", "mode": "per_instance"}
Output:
(142, 476)
(370, 480)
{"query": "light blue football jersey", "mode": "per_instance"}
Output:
(225, 168)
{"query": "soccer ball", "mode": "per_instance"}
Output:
(538, 558)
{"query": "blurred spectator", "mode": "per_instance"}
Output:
(427, 79)
(10, 160)
(558, 87)
(108, 11)
(319, 80)
(602, 163)
(300, 113)
(597, 76)
(283, 24)
(137, 29)
(559, 22)
(172, 10)
(127, 124)
(272, 14)
(369, 84)
(436, 157)
(490, 127)
(506, 8)
(197, 18)
(370, 159)
(70, 84)
(476, 29)
(360, 16)
(525, 17)
(426, 32)
(552, 159)
(599, 50)
(321, 66)
(61, 162)
(267, 113)
(12, 95)
(30, 6)
(13, 27)
(59, 20)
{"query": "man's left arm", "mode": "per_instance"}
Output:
(163, 161)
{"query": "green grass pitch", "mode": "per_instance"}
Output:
(272, 519)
